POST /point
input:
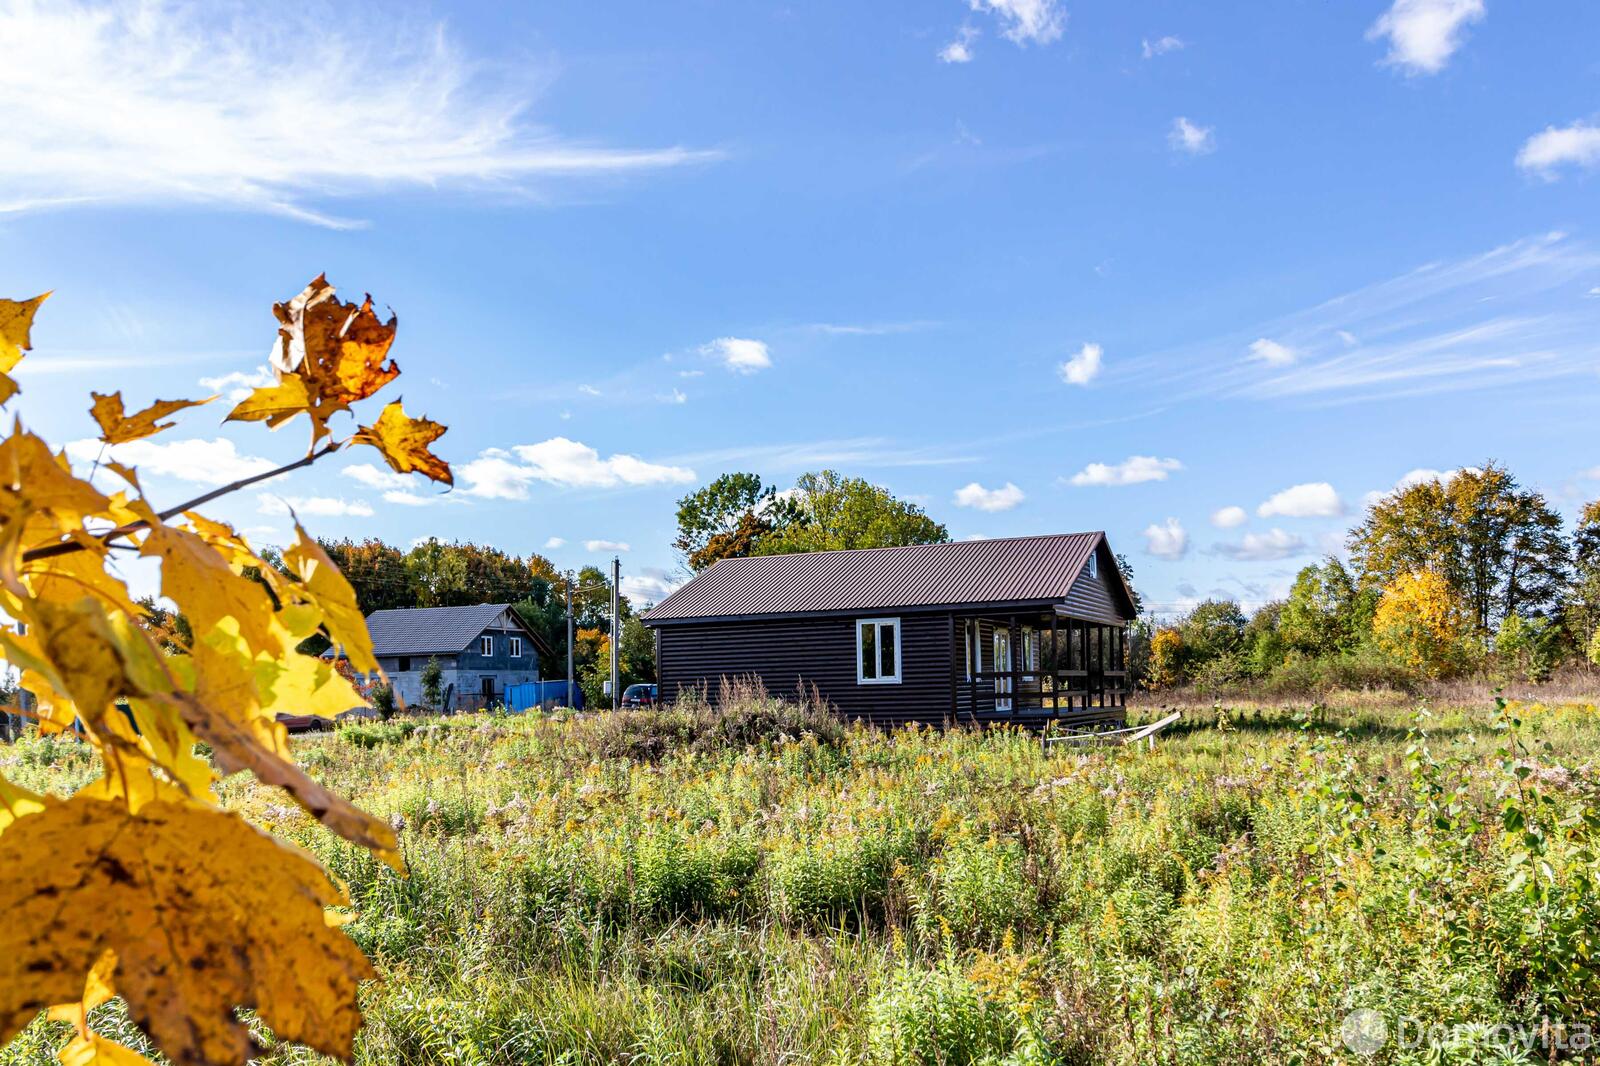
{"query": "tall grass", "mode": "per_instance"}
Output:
(763, 885)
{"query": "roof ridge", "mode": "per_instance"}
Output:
(925, 544)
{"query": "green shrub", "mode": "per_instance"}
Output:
(976, 889)
(938, 1017)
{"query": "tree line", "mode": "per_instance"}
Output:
(1470, 573)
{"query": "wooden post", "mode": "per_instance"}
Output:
(1055, 664)
(955, 678)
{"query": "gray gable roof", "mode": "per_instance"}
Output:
(433, 630)
(1007, 570)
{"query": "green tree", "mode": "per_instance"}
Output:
(726, 519)
(377, 571)
(454, 574)
(829, 511)
(1327, 612)
(433, 683)
(1581, 606)
(1213, 630)
(1498, 547)
(1263, 643)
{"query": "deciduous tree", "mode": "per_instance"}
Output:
(1421, 619)
(829, 511)
(1499, 548)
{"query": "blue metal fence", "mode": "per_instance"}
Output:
(533, 694)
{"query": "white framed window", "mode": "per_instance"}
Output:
(516, 647)
(969, 638)
(1094, 564)
(486, 645)
(1030, 652)
(878, 651)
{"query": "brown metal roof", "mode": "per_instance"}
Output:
(1010, 570)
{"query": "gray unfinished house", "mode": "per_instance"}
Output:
(481, 649)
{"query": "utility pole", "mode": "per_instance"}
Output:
(616, 627)
(571, 577)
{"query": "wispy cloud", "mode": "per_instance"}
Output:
(498, 473)
(1314, 499)
(1577, 146)
(172, 103)
(1189, 137)
(1166, 540)
(1026, 21)
(607, 546)
(203, 462)
(1263, 547)
(858, 452)
(959, 50)
(1083, 367)
(314, 506)
(1131, 471)
(870, 329)
(1229, 517)
(650, 585)
(1501, 319)
(1161, 46)
(739, 354)
(975, 495)
(1424, 34)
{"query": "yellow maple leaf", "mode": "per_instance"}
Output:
(16, 325)
(273, 404)
(403, 442)
(331, 593)
(337, 349)
(197, 932)
(17, 802)
(196, 575)
(119, 428)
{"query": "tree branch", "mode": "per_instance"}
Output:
(67, 547)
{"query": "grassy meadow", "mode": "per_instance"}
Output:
(763, 885)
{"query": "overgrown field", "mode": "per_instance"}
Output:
(765, 886)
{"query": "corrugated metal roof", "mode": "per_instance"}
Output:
(865, 579)
(425, 630)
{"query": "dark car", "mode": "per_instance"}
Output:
(639, 696)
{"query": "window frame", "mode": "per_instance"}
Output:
(1094, 564)
(516, 647)
(486, 645)
(877, 631)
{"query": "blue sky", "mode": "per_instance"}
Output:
(1204, 276)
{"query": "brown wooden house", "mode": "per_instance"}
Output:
(1020, 629)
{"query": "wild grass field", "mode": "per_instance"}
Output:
(764, 885)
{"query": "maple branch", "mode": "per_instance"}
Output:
(67, 547)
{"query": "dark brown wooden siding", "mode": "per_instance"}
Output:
(791, 654)
(1092, 598)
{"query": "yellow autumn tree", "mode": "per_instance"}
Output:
(1421, 620)
(1166, 658)
(140, 885)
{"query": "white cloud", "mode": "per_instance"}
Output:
(606, 546)
(555, 542)
(1131, 471)
(204, 462)
(239, 384)
(740, 355)
(1263, 547)
(1168, 540)
(316, 506)
(375, 477)
(676, 396)
(1000, 499)
(164, 102)
(1412, 478)
(1577, 145)
(650, 585)
(1423, 34)
(1039, 21)
(506, 475)
(1314, 499)
(1271, 352)
(1161, 46)
(407, 498)
(1594, 291)
(691, 373)
(1229, 517)
(960, 49)
(588, 390)
(1083, 367)
(1348, 337)
(1186, 136)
